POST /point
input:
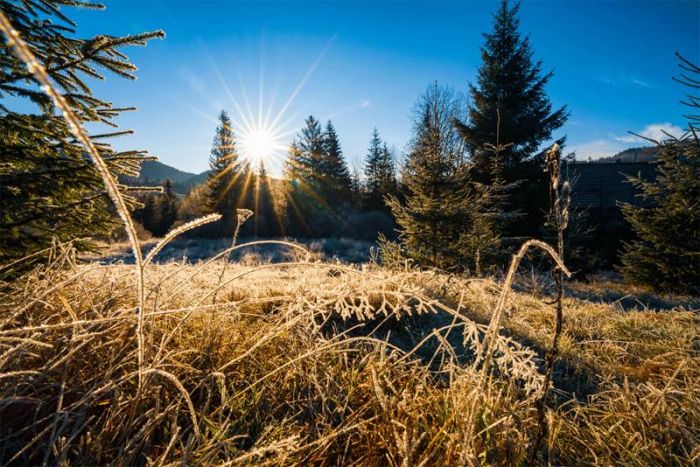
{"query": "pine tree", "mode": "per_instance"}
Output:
(509, 104)
(168, 207)
(379, 173)
(48, 188)
(308, 214)
(510, 87)
(445, 219)
(388, 182)
(265, 220)
(666, 252)
(335, 176)
(229, 178)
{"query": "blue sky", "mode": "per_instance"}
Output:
(363, 64)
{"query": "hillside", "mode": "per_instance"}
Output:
(156, 173)
(645, 154)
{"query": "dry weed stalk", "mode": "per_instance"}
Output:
(242, 215)
(559, 199)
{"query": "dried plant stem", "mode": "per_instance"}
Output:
(494, 325)
(559, 215)
(35, 68)
(223, 269)
(180, 230)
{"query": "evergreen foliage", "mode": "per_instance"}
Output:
(230, 178)
(509, 103)
(318, 182)
(380, 174)
(666, 252)
(265, 219)
(158, 212)
(49, 189)
(335, 177)
(509, 83)
(446, 219)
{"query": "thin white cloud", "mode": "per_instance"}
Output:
(640, 83)
(655, 131)
(196, 83)
(597, 148)
(623, 80)
(364, 103)
(606, 80)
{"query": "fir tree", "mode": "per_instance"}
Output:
(265, 220)
(380, 174)
(335, 176)
(308, 214)
(509, 104)
(48, 188)
(510, 86)
(445, 219)
(229, 177)
(666, 253)
(168, 207)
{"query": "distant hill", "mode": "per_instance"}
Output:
(647, 154)
(156, 173)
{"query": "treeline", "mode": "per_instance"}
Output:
(318, 196)
(471, 183)
(470, 187)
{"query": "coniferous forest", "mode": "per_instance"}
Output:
(474, 291)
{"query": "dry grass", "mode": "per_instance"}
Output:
(326, 364)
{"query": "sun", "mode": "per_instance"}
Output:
(260, 144)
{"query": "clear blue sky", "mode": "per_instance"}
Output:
(363, 64)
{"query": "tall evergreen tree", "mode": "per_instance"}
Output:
(229, 178)
(265, 218)
(380, 173)
(445, 219)
(336, 183)
(48, 188)
(308, 213)
(510, 87)
(509, 105)
(168, 207)
(666, 252)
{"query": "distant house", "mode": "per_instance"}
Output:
(604, 185)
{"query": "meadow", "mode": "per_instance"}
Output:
(317, 362)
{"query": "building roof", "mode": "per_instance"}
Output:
(604, 184)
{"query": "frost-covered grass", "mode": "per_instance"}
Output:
(191, 250)
(324, 363)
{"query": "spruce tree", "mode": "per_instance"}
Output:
(335, 176)
(509, 104)
(510, 86)
(168, 207)
(380, 174)
(265, 219)
(48, 188)
(308, 213)
(229, 178)
(445, 218)
(666, 253)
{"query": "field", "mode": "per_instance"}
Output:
(319, 362)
